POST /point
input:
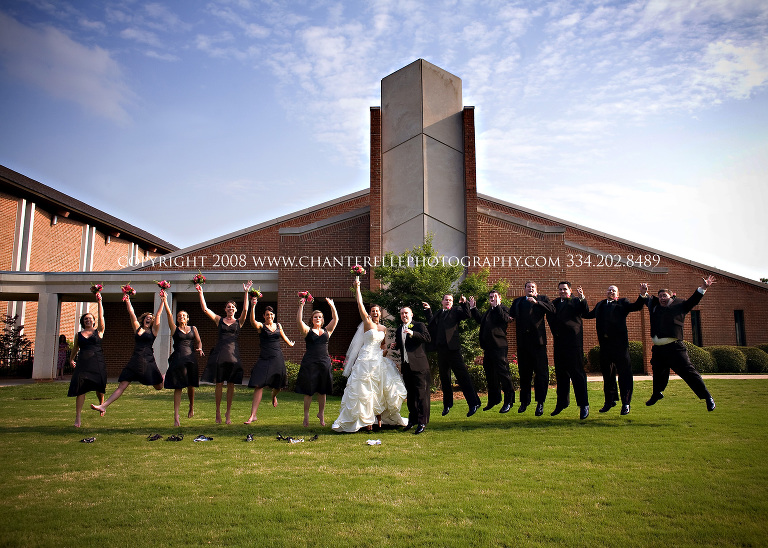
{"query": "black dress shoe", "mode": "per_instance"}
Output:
(505, 408)
(522, 408)
(605, 408)
(710, 404)
(558, 410)
(419, 429)
(583, 412)
(473, 410)
(625, 409)
(539, 409)
(446, 410)
(408, 426)
(656, 396)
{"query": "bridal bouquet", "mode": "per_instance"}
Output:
(254, 292)
(357, 270)
(307, 296)
(128, 291)
(199, 279)
(96, 288)
(163, 284)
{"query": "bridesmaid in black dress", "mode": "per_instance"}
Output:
(224, 361)
(270, 369)
(315, 375)
(141, 367)
(182, 364)
(90, 371)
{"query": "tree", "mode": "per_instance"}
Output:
(13, 342)
(422, 275)
(764, 280)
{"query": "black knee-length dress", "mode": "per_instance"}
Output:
(224, 361)
(182, 364)
(90, 375)
(270, 369)
(142, 367)
(315, 371)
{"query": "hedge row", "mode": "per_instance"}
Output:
(710, 359)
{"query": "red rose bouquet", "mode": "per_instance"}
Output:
(307, 296)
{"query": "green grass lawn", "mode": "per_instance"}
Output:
(668, 475)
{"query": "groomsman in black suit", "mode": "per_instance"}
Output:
(410, 338)
(493, 341)
(567, 334)
(444, 330)
(528, 312)
(669, 352)
(611, 315)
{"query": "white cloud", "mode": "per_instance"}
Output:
(141, 36)
(47, 58)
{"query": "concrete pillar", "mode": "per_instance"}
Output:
(47, 336)
(422, 160)
(162, 344)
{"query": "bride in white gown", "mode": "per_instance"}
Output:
(375, 391)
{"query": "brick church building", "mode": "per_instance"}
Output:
(422, 180)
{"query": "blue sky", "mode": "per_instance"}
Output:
(647, 120)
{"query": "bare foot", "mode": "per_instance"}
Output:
(322, 419)
(250, 419)
(191, 412)
(218, 418)
(369, 427)
(274, 401)
(378, 419)
(306, 421)
(99, 409)
(228, 421)
(77, 423)
(176, 421)
(103, 413)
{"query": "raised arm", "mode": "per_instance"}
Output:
(244, 313)
(288, 341)
(303, 328)
(256, 325)
(131, 313)
(208, 312)
(332, 324)
(99, 328)
(168, 315)
(156, 322)
(367, 322)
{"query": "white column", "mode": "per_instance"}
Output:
(47, 336)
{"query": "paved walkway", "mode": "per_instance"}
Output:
(590, 378)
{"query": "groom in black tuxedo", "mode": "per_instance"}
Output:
(410, 338)
(493, 341)
(444, 330)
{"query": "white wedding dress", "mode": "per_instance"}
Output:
(375, 387)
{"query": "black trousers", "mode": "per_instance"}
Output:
(614, 359)
(569, 366)
(674, 356)
(451, 360)
(497, 376)
(418, 386)
(532, 360)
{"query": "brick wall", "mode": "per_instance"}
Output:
(8, 208)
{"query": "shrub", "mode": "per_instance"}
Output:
(757, 359)
(763, 347)
(635, 358)
(728, 359)
(477, 374)
(292, 371)
(700, 358)
(339, 382)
